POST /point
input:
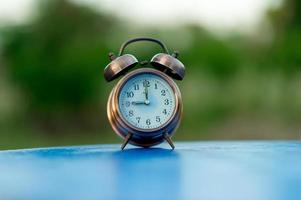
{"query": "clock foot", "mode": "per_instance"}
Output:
(126, 140)
(168, 140)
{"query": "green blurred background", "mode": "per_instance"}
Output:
(243, 81)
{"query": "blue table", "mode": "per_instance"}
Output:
(256, 170)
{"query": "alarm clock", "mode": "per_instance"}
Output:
(145, 106)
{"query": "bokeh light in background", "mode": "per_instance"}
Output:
(242, 58)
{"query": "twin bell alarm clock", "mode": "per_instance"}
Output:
(145, 106)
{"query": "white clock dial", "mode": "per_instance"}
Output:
(146, 101)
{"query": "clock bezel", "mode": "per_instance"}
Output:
(123, 81)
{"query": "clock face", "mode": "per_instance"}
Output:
(146, 101)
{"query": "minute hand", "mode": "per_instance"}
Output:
(146, 95)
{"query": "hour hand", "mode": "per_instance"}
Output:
(138, 102)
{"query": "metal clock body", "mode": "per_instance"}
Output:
(145, 106)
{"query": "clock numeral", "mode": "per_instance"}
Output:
(130, 94)
(138, 119)
(146, 83)
(158, 119)
(166, 101)
(136, 87)
(163, 92)
(131, 113)
(148, 122)
(156, 86)
(127, 104)
(164, 112)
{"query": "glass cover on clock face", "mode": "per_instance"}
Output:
(146, 101)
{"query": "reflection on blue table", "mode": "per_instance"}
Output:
(202, 170)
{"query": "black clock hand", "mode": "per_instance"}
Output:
(138, 102)
(146, 102)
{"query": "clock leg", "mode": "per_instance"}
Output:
(126, 140)
(168, 140)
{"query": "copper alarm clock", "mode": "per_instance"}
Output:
(145, 106)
